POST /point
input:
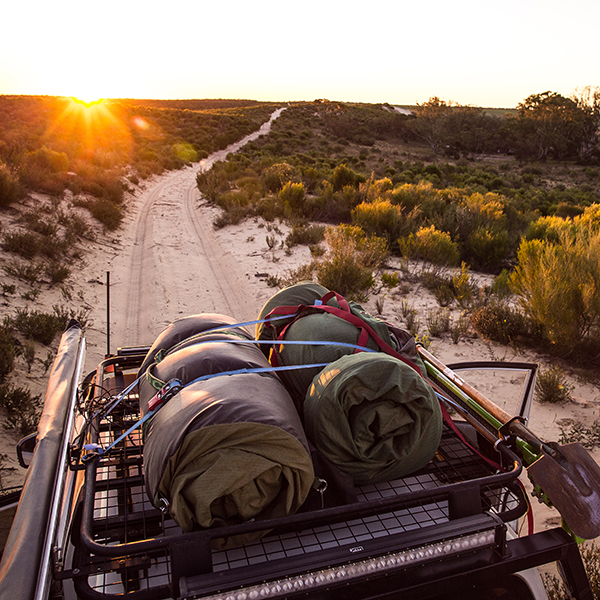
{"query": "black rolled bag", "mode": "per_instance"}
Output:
(187, 327)
(226, 449)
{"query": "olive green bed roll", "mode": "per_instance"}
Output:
(373, 417)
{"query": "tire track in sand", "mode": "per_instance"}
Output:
(176, 261)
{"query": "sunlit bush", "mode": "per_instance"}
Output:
(558, 286)
(292, 195)
(432, 245)
(382, 218)
(348, 267)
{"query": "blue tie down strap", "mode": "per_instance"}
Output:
(174, 386)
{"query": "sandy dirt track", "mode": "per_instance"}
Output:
(172, 261)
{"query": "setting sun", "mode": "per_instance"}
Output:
(88, 101)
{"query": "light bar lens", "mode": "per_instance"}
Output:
(387, 562)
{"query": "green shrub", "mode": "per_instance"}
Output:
(10, 187)
(48, 160)
(23, 243)
(344, 176)
(499, 322)
(29, 272)
(352, 257)
(22, 409)
(411, 196)
(552, 386)
(7, 352)
(390, 280)
(435, 246)
(576, 431)
(463, 288)
(56, 272)
(558, 286)
(305, 234)
(109, 214)
(39, 326)
(488, 248)
(441, 287)
(501, 285)
(438, 321)
(381, 218)
(292, 195)
(277, 175)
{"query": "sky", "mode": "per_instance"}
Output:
(475, 52)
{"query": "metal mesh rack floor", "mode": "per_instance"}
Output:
(123, 515)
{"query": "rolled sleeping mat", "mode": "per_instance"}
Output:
(373, 417)
(198, 356)
(226, 450)
(187, 327)
(305, 292)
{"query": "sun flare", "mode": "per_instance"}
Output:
(88, 101)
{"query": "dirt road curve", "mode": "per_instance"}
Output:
(172, 259)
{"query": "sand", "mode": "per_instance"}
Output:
(167, 261)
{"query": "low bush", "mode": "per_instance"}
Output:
(434, 246)
(7, 352)
(108, 213)
(438, 321)
(29, 272)
(588, 437)
(37, 325)
(292, 195)
(352, 257)
(382, 218)
(22, 243)
(22, 409)
(390, 280)
(552, 386)
(10, 187)
(487, 249)
(499, 322)
(305, 234)
(464, 289)
(56, 272)
(558, 286)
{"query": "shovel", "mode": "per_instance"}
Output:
(567, 474)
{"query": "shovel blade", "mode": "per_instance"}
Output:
(572, 483)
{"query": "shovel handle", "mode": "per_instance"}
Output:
(486, 404)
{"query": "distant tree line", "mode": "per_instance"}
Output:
(544, 126)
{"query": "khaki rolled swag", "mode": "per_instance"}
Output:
(373, 417)
(227, 449)
(371, 414)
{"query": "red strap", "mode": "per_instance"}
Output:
(363, 339)
(342, 313)
(462, 438)
(359, 323)
(340, 300)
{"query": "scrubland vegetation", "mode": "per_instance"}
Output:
(455, 189)
(83, 159)
(516, 196)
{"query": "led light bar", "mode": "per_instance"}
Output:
(344, 573)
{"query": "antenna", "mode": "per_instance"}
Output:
(107, 313)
